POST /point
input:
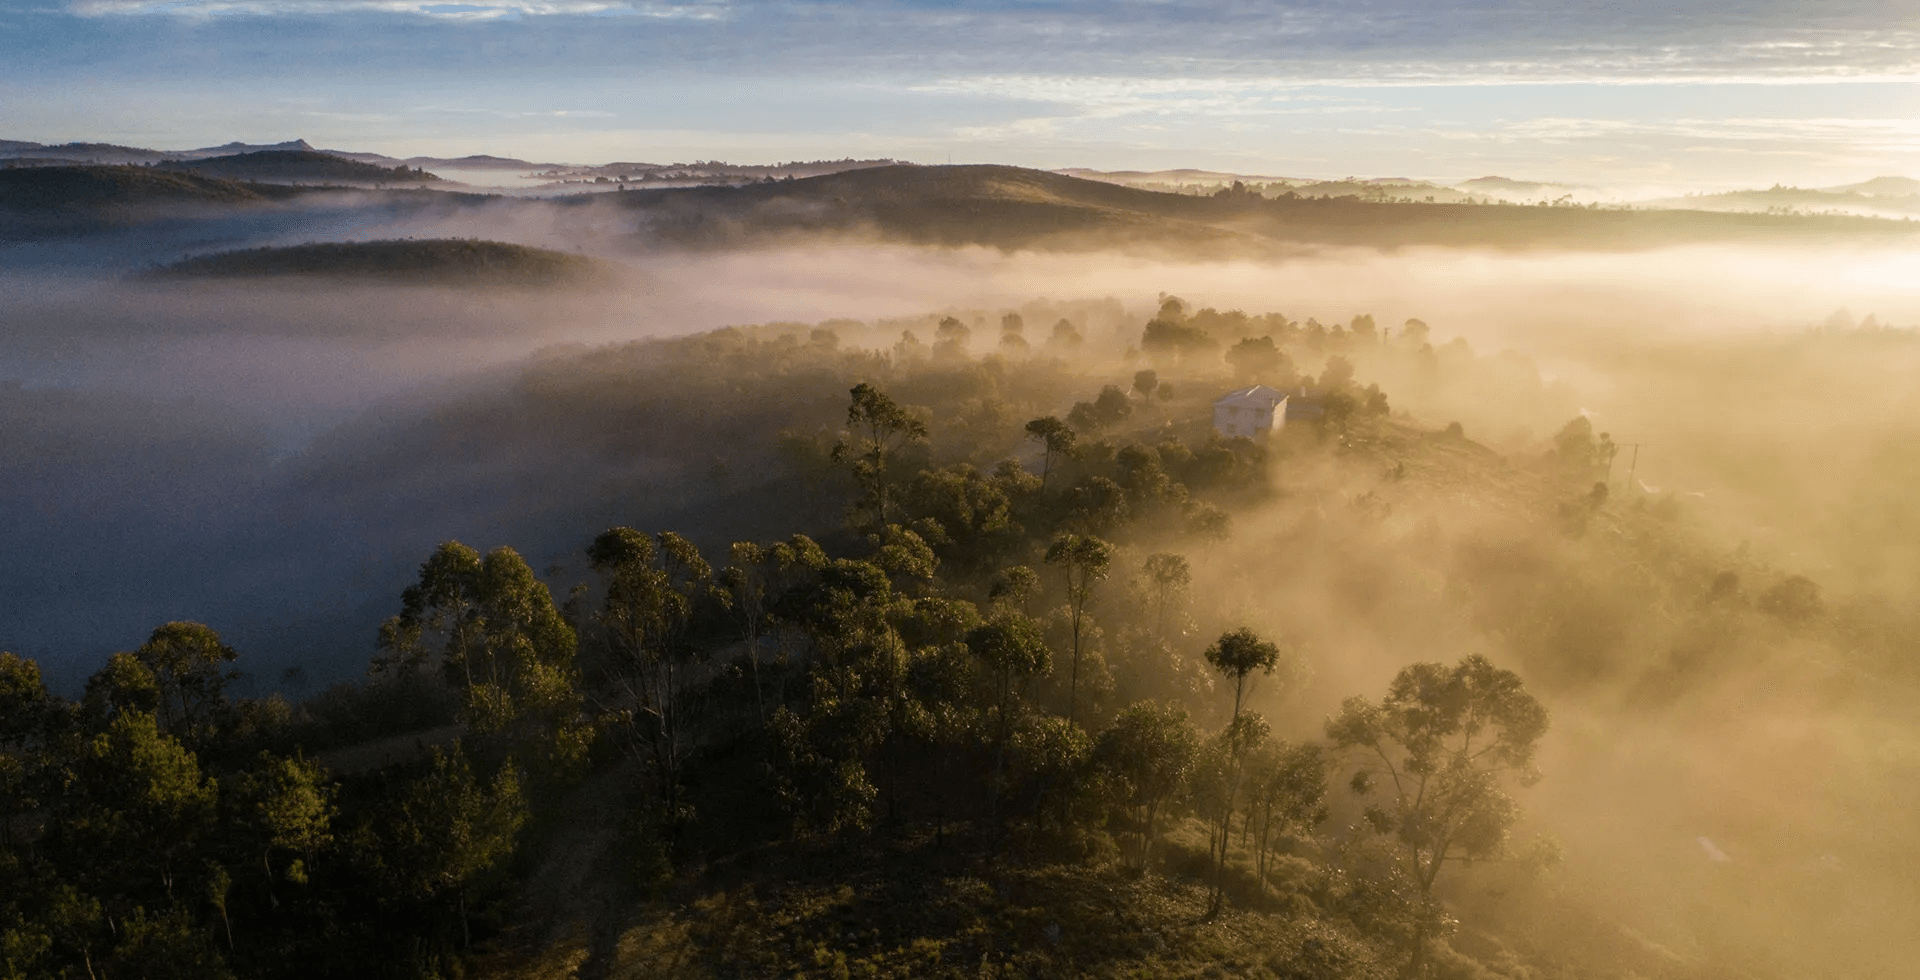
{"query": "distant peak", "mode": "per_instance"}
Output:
(238, 147)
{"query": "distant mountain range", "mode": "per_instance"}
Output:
(996, 206)
(1489, 189)
(24, 153)
(299, 161)
(1881, 197)
(21, 151)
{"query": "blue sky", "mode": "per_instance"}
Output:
(1649, 94)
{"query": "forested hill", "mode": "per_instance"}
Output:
(1024, 671)
(311, 166)
(1012, 208)
(43, 189)
(463, 262)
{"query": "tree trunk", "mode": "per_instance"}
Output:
(1073, 682)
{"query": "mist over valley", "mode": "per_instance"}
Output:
(1630, 485)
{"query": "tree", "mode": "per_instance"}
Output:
(950, 339)
(1237, 655)
(1208, 522)
(856, 693)
(1287, 792)
(165, 946)
(1259, 359)
(29, 715)
(651, 593)
(747, 580)
(1011, 649)
(1336, 410)
(1337, 374)
(1171, 341)
(1219, 775)
(494, 632)
(1445, 742)
(1112, 406)
(188, 663)
(1013, 588)
(282, 806)
(1056, 440)
(1577, 449)
(125, 685)
(1145, 382)
(966, 516)
(1151, 747)
(1413, 333)
(136, 812)
(446, 831)
(877, 430)
(1097, 505)
(1065, 336)
(1168, 577)
(1012, 326)
(1084, 560)
(1050, 755)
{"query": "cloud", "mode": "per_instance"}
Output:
(1356, 42)
(1894, 134)
(462, 10)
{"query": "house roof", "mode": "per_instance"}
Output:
(1260, 395)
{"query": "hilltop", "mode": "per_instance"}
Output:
(300, 165)
(1016, 208)
(1391, 189)
(435, 262)
(37, 202)
(54, 188)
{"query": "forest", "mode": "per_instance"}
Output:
(972, 652)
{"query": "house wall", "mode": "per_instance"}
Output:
(1246, 419)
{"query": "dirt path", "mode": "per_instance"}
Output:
(568, 916)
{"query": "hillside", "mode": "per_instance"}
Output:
(300, 165)
(1005, 207)
(43, 203)
(1015, 208)
(441, 262)
(69, 188)
(1884, 198)
(1881, 187)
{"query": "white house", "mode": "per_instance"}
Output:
(1249, 411)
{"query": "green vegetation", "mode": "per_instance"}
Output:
(38, 189)
(980, 691)
(300, 165)
(464, 262)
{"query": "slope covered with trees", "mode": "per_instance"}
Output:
(1011, 677)
(464, 262)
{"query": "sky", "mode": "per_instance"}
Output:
(1637, 97)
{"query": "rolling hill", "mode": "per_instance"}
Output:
(431, 262)
(300, 165)
(1015, 208)
(67, 188)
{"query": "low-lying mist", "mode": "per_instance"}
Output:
(153, 423)
(275, 460)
